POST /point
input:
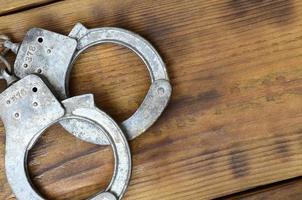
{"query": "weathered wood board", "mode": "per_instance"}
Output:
(234, 121)
(287, 190)
(9, 6)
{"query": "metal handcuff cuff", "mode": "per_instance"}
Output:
(29, 105)
(57, 66)
(28, 108)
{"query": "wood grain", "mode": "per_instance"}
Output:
(234, 119)
(10, 6)
(287, 190)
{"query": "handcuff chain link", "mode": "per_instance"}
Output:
(3, 52)
(6, 71)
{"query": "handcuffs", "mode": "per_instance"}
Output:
(40, 98)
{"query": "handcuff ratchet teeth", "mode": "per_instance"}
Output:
(53, 56)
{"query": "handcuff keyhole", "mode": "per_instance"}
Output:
(35, 89)
(40, 40)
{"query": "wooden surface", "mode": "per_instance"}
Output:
(286, 190)
(234, 120)
(10, 6)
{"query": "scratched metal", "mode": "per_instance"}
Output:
(155, 101)
(46, 53)
(28, 108)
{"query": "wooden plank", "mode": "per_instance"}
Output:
(8, 6)
(234, 119)
(289, 190)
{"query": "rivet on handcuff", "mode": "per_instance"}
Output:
(29, 106)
